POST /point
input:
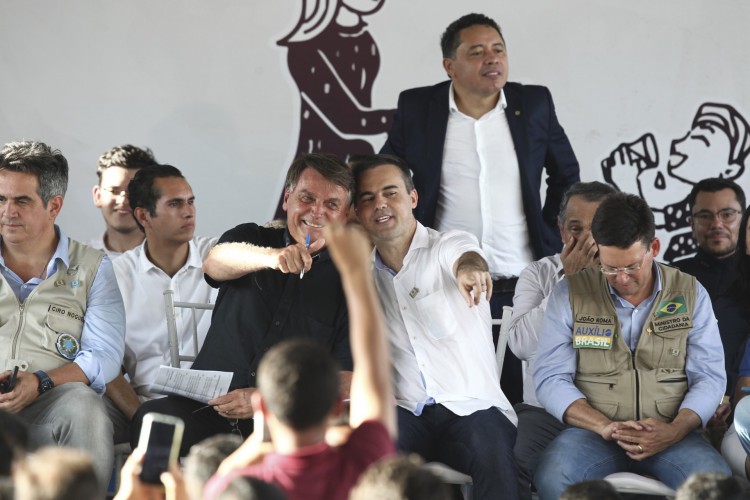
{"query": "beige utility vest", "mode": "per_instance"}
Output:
(29, 332)
(651, 382)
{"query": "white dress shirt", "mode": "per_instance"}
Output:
(480, 188)
(533, 289)
(142, 285)
(441, 348)
(98, 243)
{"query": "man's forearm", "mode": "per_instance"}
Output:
(371, 380)
(581, 414)
(123, 396)
(228, 261)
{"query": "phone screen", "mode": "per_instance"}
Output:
(158, 451)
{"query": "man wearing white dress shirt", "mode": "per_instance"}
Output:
(536, 427)
(170, 258)
(434, 288)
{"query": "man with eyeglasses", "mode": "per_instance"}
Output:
(630, 359)
(716, 207)
(115, 169)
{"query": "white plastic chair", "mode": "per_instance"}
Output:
(628, 482)
(173, 339)
(502, 339)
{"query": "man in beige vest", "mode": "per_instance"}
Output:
(630, 357)
(62, 316)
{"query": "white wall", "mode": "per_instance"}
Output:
(206, 87)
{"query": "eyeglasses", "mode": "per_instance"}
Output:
(727, 215)
(630, 270)
(116, 191)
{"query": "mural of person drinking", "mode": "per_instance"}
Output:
(717, 145)
(334, 60)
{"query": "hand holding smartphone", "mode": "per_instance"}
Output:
(161, 436)
(9, 383)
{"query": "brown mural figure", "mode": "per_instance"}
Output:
(717, 145)
(334, 60)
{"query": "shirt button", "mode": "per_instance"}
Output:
(252, 374)
(277, 323)
(403, 308)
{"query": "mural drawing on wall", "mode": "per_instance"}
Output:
(334, 60)
(717, 145)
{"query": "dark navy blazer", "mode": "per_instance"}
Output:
(418, 136)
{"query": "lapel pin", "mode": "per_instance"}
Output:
(518, 113)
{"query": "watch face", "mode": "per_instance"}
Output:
(45, 383)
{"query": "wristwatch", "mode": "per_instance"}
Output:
(45, 383)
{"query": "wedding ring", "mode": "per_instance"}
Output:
(640, 449)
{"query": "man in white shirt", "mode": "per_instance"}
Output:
(536, 427)
(115, 169)
(170, 258)
(434, 289)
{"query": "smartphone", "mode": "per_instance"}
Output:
(161, 436)
(9, 383)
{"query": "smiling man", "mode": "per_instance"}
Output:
(478, 146)
(630, 359)
(115, 169)
(716, 207)
(434, 288)
(62, 317)
(264, 298)
(171, 258)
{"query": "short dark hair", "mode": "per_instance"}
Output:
(329, 166)
(141, 190)
(451, 39)
(400, 477)
(204, 458)
(713, 185)
(589, 191)
(367, 162)
(598, 489)
(125, 156)
(299, 382)
(250, 488)
(59, 473)
(48, 165)
(621, 220)
(708, 485)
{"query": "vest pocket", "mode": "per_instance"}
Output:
(598, 390)
(668, 407)
(57, 324)
(608, 408)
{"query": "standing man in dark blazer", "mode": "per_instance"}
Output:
(477, 147)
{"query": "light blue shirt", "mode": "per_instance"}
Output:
(103, 335)
(556, 359)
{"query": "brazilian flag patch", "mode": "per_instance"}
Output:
(671, 307)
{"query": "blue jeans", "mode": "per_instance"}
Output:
(480, 445)
(742, 422)
(579, 455)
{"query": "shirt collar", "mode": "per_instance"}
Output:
(421, 239)
(61, 252)
(502, 103)
(657, 288)
(193, 259)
